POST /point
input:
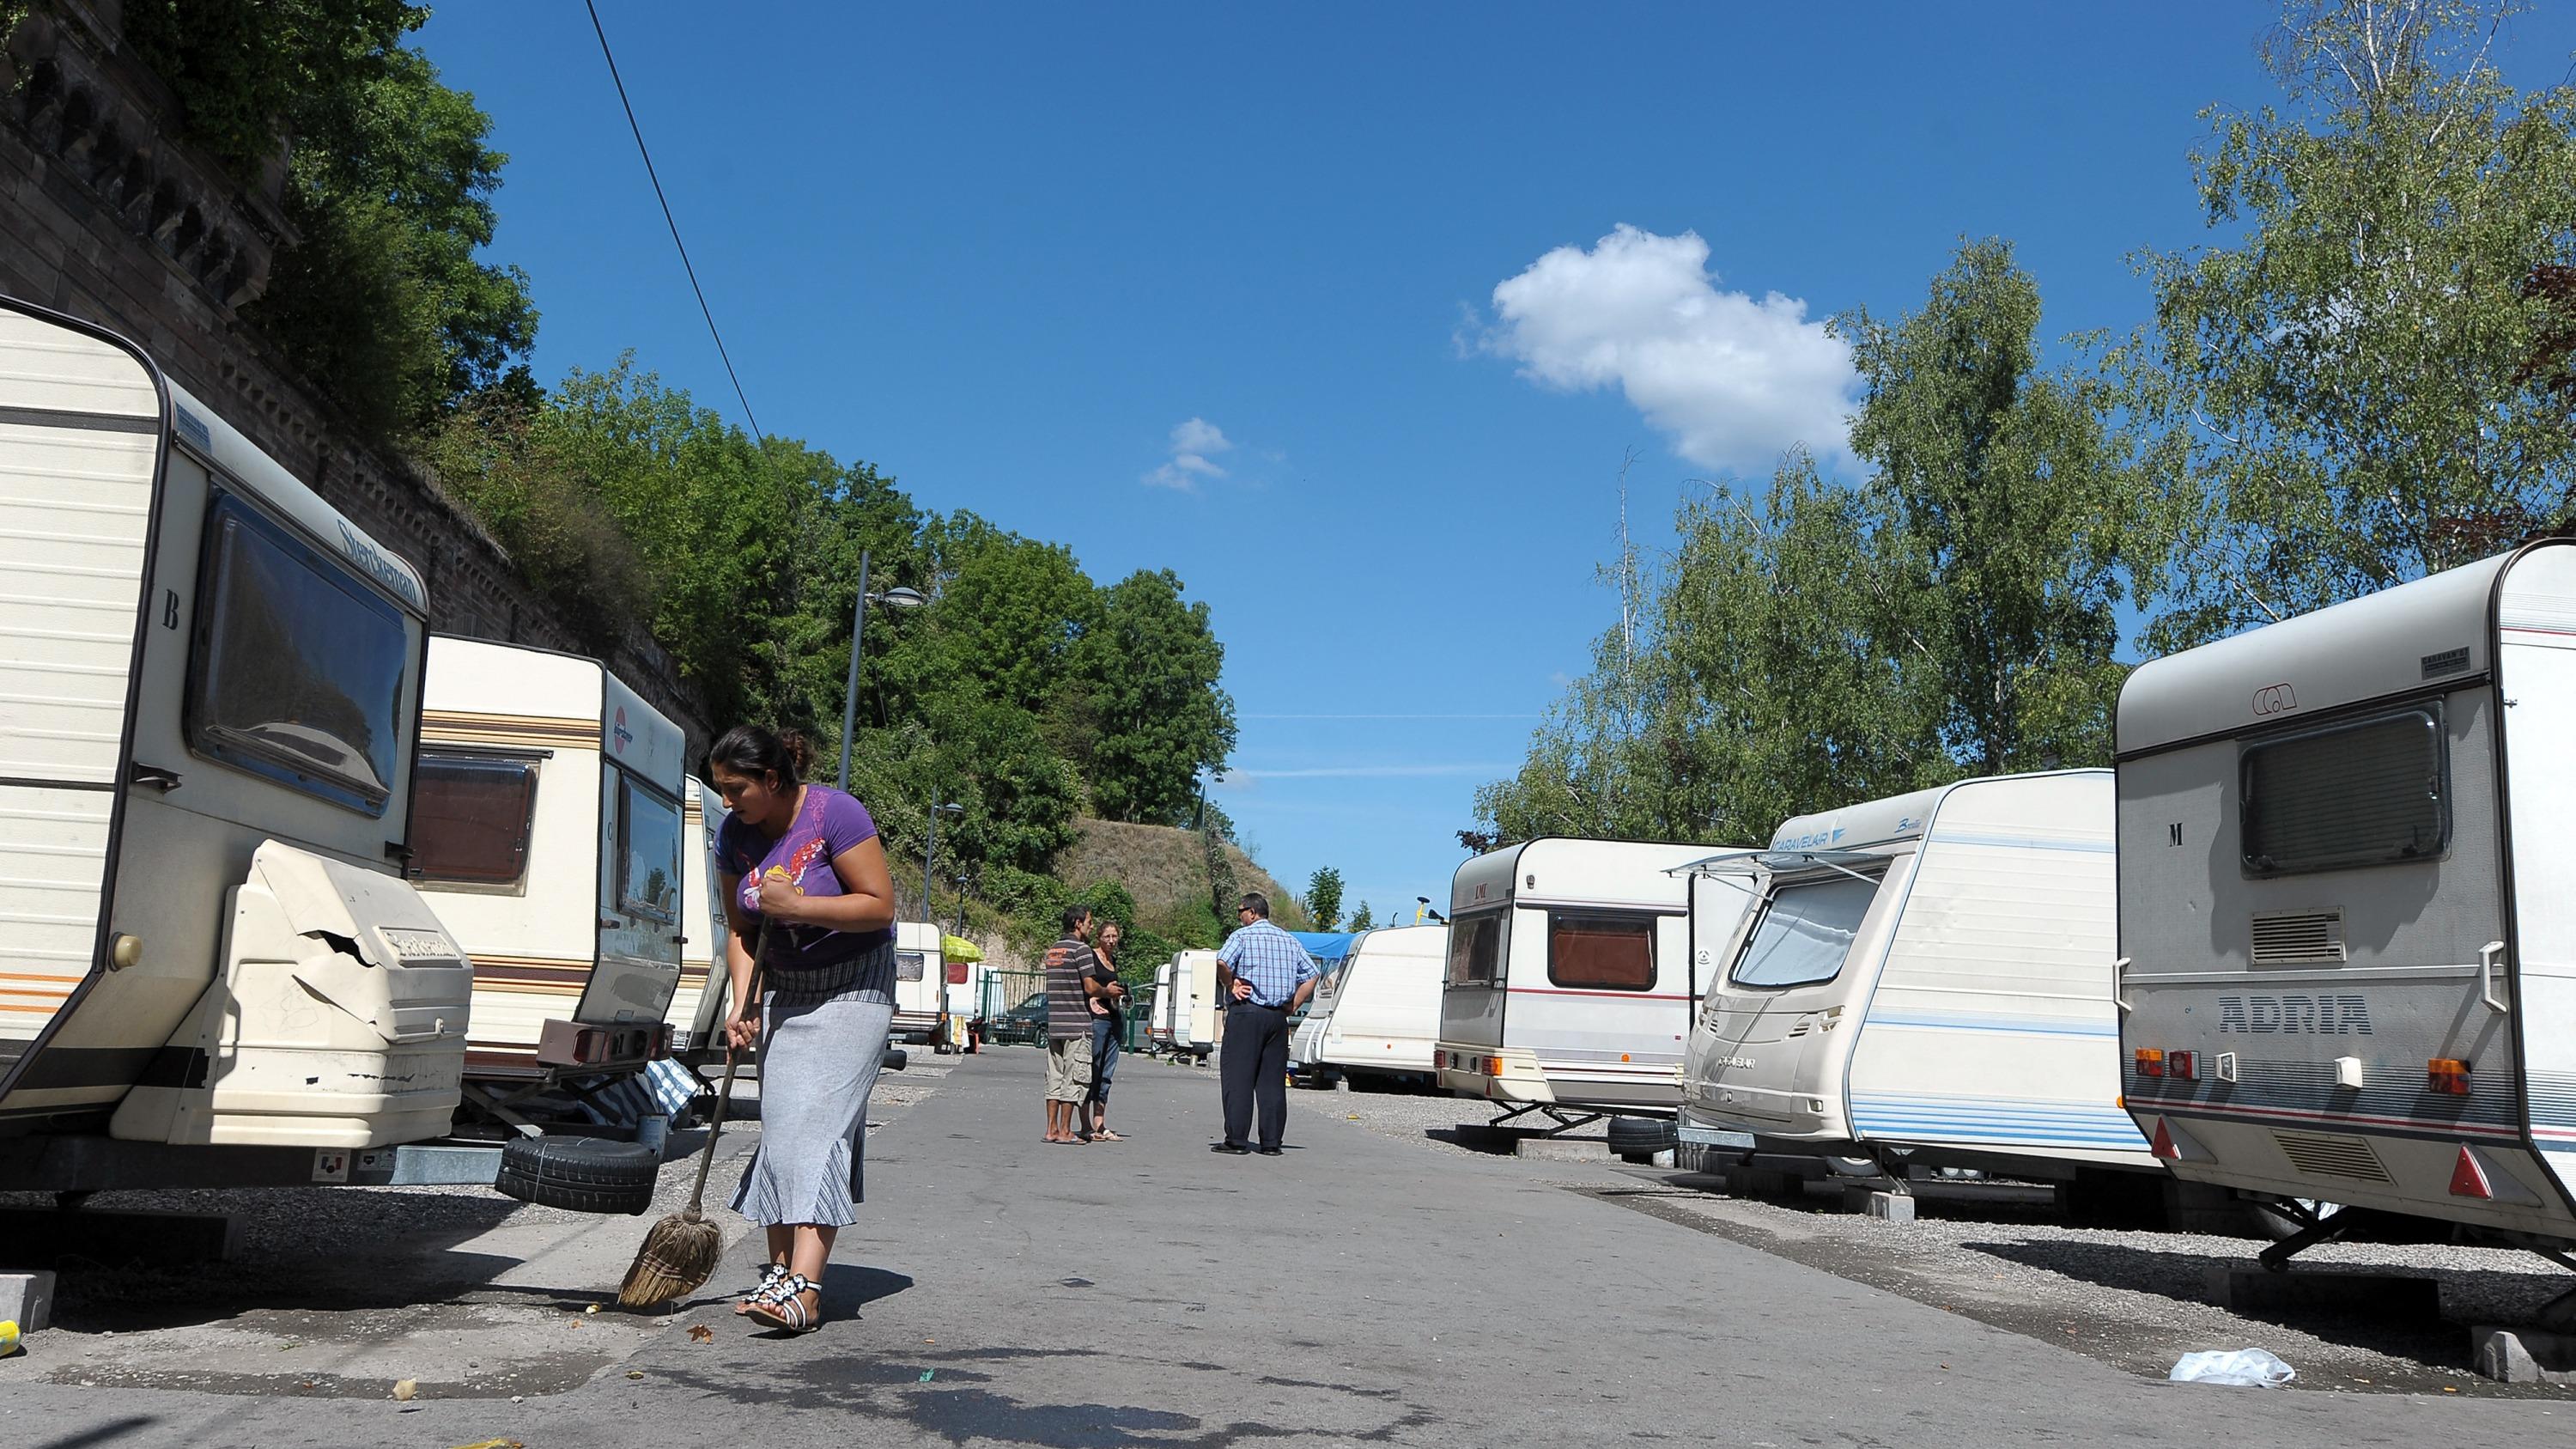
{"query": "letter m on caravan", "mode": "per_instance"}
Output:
(2295, 1015)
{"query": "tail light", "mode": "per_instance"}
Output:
(2151, 1062)
(2183, 1065)
(1493, 1066)
(2447, 1076)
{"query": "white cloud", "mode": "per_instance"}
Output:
(1731, 379)
(1192, 444)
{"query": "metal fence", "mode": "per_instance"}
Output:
(1014, 1008)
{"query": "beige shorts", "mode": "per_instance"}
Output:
(1069, 1069)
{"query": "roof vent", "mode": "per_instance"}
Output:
(2320, 1154)
(2285, 936)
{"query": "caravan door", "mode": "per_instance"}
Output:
(1772, 1001)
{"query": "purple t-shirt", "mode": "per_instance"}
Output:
(828, 822)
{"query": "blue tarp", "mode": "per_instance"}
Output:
(1329, 948)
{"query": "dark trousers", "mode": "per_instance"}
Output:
(1255, 1069)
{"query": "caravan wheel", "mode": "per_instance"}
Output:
(1638, 1139)
(579, 1174)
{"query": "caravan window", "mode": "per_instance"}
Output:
(470, 818)
(1589, 952)
(298, 668)
(1805, 932)
(2372, 792)
(1477, 945)
(648, 852)
(908, 965)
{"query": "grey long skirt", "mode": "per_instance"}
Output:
(818, 1064)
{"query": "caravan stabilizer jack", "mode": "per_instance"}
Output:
(2276, 1258)
(1565, 1121)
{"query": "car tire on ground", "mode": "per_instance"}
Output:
(1638, 1139)
(579, 1174)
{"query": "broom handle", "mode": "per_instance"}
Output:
(724, 1095)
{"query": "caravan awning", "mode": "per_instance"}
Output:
(958, 948)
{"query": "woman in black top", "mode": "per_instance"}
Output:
(1108, 1029)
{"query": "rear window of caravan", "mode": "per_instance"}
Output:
(470, 819)
(909, 965)
(648, 852)
(298, 669)
(1593, 951)
(1477, 947)
(1805, 933)
(2372, 791)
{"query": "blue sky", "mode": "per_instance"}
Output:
(1048, 262)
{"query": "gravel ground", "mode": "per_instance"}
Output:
(2132, 1298)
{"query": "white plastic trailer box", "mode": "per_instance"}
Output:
(2346, 915)
(211, 968)
(1384, 1017)
(550, 835)
(1570, 986)
(1925, 979)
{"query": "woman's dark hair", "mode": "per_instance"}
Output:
(761, 752)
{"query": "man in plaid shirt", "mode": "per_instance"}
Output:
(1265, 976)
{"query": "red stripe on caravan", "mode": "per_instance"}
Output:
(2341, 1119)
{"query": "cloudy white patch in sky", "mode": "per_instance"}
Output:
(1732, 380)
(1194, 446)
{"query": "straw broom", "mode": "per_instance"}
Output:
(681, 1251)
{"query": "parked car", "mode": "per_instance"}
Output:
(1026, 1022)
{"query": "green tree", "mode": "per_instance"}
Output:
(381, 302)
(1362, 919)
(1954, 613)
(2365, 382)
(2005, 514)
(1151, 666)
(1324, 898)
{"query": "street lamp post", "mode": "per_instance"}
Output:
(930, 854)
(894, 598)
(961, 905)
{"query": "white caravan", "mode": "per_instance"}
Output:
(1186, 1020)
(2345, 905)
(963, 998)
(695, 1013)
(1384, 1016)
(209, 696)
(549, 835)
(920, 984)
(1925, 978)
(1570, 985)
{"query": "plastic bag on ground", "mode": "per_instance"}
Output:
(2252, 1366)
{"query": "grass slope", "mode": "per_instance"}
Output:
(1164, 869)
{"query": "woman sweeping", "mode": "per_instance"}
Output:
(1108, 1029)
(804, 860)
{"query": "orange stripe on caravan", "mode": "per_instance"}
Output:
(449, 726)
(37, 976)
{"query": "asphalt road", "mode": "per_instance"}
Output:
(1357, 1290)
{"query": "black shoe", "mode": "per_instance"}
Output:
(1229, 1149)
(1268, 1151)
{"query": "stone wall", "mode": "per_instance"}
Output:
(106, 217)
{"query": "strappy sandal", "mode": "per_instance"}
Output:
(783, 1306)
(770, 1274)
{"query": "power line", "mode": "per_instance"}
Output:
(672, 221)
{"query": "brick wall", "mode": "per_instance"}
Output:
(105, 217)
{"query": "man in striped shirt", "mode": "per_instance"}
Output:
(1265, 976)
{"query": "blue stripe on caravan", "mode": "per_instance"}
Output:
(2023, 842)
(1992, 1117)
(2024, 1026)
